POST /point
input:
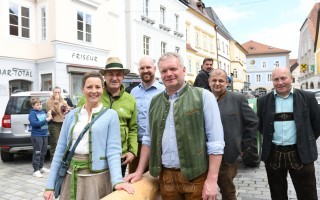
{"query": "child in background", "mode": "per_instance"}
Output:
(39, 136)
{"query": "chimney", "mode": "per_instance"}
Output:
(200, 5)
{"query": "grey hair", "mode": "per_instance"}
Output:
(56, 87)
(171, 55)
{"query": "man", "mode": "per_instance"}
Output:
(184, 139)
(203, 75)
(143, 94)
(59, 108)
(289, 122)
(240, 124)
(115, 97)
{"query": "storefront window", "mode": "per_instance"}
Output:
(18, 85)
(76, 92)
(46, 82)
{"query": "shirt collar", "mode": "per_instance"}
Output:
(156, 84)
(276, 94)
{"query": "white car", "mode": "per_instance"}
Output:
(15, 136)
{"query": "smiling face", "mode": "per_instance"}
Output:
(218, 82)
(172, 74)
(147, 70)
(92, 90)
(282, 80)
(113, 79)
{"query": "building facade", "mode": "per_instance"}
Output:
(261, 59)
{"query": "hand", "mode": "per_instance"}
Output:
(49, 118)
(134, 177)
(210, 190)
(48, 195)
(127, 157)
(125, 186)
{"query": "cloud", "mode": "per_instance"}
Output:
(284, 36)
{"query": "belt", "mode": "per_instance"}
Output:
(56, 122)
(284, 116)
(286, 147)
(171, 169)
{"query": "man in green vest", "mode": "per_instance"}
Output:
(184, 140)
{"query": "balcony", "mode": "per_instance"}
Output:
(147, 19)
(178, 34)
(164, 27)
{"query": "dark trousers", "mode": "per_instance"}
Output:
(40, 145)
(54, 130)
(227, 172)
(286, 159)
(135, 162)
(174, 186)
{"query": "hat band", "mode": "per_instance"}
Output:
(114, 65)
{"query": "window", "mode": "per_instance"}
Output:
(177, 49)
(218, 43)
(163, 47)
(205, 46)
(162, 15)
(269, 77)
(227, 47)
(197, 39)
(223, 47)
(235, 73)
(146, 7)
(189, 65)
(276, 64)
(19, 21)
(43, 24)
(177, 21)
(46, 82)
(248, 78)
(84, 27)
(198, 67)
(220, 65)
(264, 65)
(146, 45)
(258, 78)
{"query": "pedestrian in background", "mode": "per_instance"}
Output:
(184, 140)
(203, 75)
(39, 136)
(115, 97)
(95, 166)
(289, 122)
(59, 108)
(240, 126)
(143, 94)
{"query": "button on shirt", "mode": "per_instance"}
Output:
(285, 132)
(213, 129)
(143, 98)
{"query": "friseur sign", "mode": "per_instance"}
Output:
(16, 72)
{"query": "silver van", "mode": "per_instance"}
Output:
(15, 136)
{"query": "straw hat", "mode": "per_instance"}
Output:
(114, 63)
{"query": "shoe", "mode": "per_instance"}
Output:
(37, 174)
(44, 170)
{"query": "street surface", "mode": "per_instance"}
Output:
(17, 182)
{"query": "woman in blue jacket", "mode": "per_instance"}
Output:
(95, 168)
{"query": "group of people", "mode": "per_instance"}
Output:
(189, 137)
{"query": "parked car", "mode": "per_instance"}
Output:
(15, 136)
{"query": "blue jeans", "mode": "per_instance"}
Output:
(284, 160)
(40, 145)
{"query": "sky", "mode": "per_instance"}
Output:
(272, 22)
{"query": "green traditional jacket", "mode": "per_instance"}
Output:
(189, 127)
(125, 105)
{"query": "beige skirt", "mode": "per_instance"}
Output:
(90, 186)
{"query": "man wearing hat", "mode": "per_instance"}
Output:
(115, 97)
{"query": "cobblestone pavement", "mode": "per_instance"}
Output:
(17, 182)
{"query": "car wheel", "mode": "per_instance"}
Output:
(6, 156)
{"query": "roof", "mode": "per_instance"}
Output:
(199, 7)
(254, 48)
(213, 15)
(293, 64)
(311, 20)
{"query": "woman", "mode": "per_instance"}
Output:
(98, 152)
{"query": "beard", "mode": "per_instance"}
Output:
(147, 78)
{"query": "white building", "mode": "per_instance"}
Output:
(153, 28)
(45, 43)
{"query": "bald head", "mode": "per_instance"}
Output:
(147, 70)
